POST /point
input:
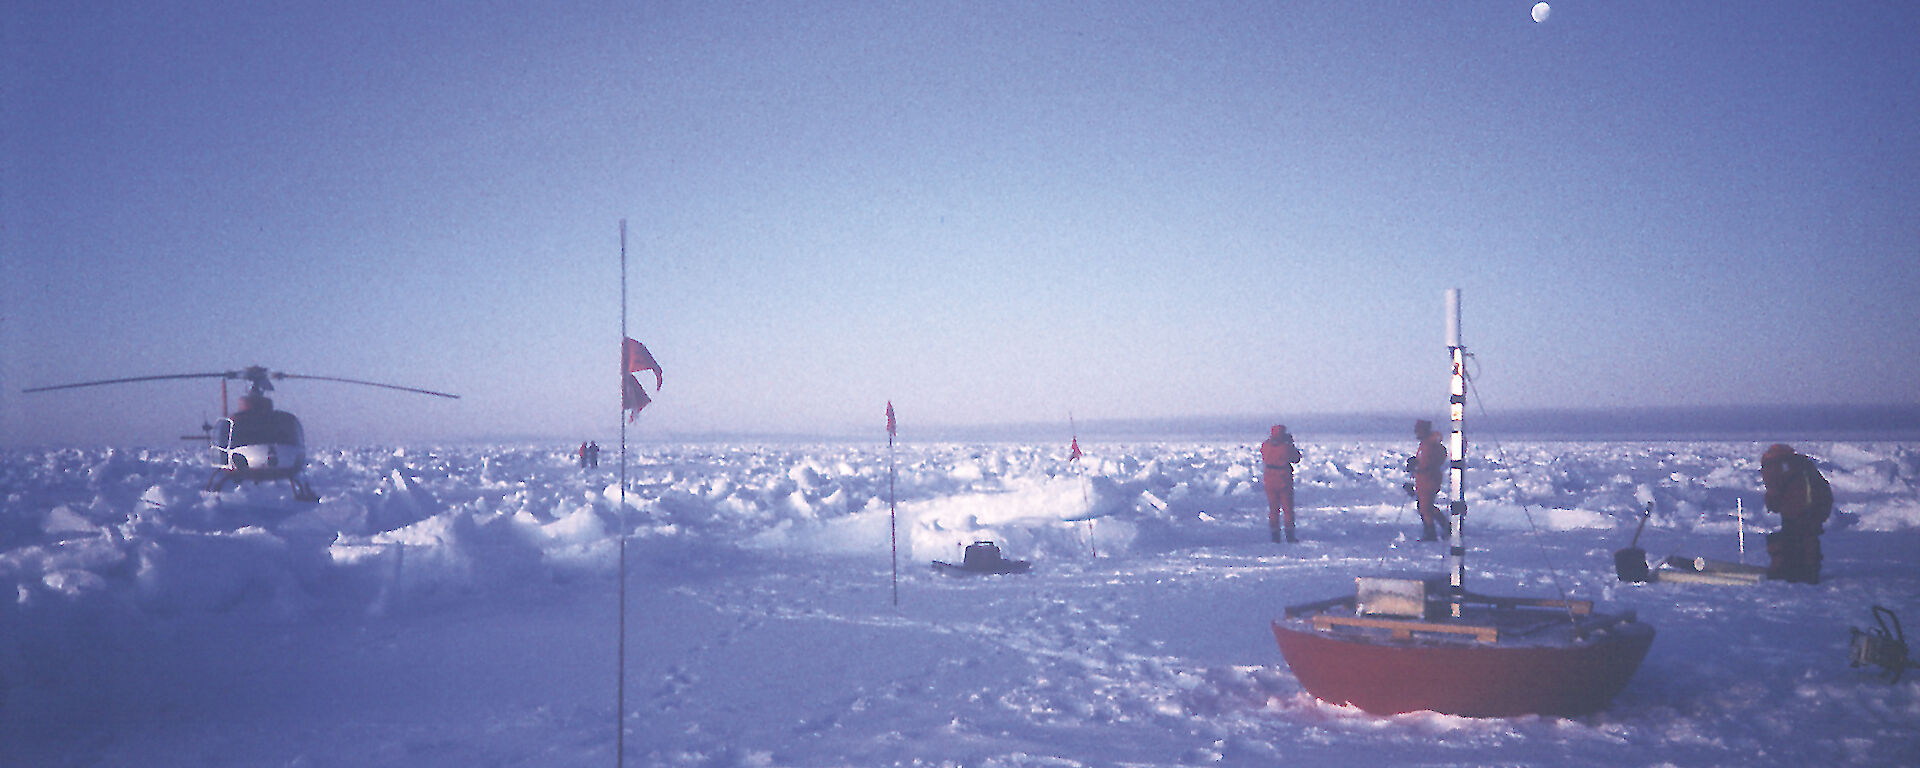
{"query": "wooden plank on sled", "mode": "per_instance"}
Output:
(1575, 607)
(1403, 630)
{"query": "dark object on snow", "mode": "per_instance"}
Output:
(983, 557)
(1631, 563)
(1882, 648)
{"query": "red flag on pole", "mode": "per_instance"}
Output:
(1075, 454)
(632, 397)
(892, 426)
(635, 358)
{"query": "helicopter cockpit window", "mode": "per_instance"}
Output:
(224, 437)
(277, 427)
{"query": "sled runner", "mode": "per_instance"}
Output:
(983, 557)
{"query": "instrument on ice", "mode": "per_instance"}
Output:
(983, 557)
(1881, 647)
(1630, 564)
(1703, 570)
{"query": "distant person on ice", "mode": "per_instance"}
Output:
(1429, 467)
(581, 455)
(1278, 454)
(1799, 494)
(593, 454)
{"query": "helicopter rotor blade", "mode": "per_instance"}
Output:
(279, 375)
(221, 375)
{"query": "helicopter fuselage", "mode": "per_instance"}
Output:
(255, 451)
(259, 443)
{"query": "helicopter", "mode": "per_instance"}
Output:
(256, 442)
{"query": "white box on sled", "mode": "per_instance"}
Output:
(1401, 594)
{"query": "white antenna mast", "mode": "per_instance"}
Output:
(1457, 451)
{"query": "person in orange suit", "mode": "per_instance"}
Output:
(1800, 495)
(1278, 454)
(1429, 467)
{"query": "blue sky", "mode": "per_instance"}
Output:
(986, 212)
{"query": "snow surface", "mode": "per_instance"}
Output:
(456, 607)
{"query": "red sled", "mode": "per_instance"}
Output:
(1503, 658)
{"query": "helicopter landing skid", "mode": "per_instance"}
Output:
(301, 490)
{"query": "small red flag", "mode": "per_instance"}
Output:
(1075, 455)
(892, 425)
(635, 358)
(632, 397)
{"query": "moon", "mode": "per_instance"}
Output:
(1540, 12)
